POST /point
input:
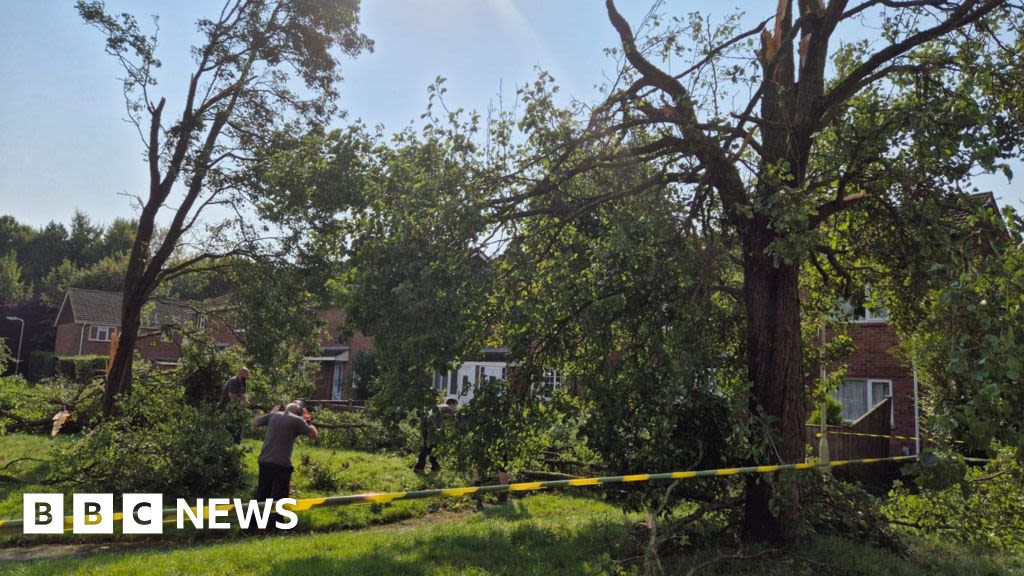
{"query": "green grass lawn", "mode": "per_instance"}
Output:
(356, 472)
(555, 533)
(541, 534)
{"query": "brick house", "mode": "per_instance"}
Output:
(87, 321)
(874, 373)
(334, 379)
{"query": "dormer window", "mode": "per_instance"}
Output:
(863, 314)
(872, 309)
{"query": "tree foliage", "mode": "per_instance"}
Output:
(259, 66)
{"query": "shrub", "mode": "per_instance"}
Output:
(39, 401)
(986, 509)
(835, 412)
(81, 368)
(319, 476)
(204, 369)
(502, 430)
(40, 365)
(362, 432)
(365, 384)
(158, 444)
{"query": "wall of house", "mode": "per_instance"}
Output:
(221, 332)
(873, 358)
(334, 321)
(66, 340)
(89, 347)
(153, 347)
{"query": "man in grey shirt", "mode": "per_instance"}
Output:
(275, 461)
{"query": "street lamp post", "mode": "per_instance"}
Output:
(21, 336)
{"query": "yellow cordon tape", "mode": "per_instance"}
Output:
(170, 515)
(893, 436)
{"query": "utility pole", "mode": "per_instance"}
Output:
(823, 452)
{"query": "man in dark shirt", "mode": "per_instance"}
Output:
(235, 389)
(275, 460)
(232, 397)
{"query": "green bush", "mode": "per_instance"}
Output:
(40, 365)
(502, 430)
(985, 510)
(835, 412)
(158, 444)
(362, 432)
(81, 368)
(319, 476)
(204, 369)
(34, 401)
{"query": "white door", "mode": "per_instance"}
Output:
(339, 371)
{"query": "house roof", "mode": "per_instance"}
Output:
(98, 307)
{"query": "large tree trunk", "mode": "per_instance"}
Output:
(120, 377)
(135, 293)
(774, 365)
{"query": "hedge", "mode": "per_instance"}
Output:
(40, 365)
(79, 368)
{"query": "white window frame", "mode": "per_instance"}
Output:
(872, 316)
(872, 401)
(337, 381)
(108, 332)
(848, 312)
(201, 321)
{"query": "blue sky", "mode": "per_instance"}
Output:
(64, 145)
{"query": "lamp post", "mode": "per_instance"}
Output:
(21, 335)
(823, 452)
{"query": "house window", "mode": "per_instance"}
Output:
(446, 382)
(871, 310)
(859, 395)
(201, 321)
(863, 315)
(552, 381)
(339, 371)
(102, 333)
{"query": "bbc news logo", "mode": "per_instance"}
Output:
(144, 513)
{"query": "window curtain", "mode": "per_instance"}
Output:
(853, 395)
(879, 390)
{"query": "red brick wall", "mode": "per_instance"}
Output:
(66, 341)
(358, 342)
(221, 332)
(873, 358)
(89, 347)
(152, 346)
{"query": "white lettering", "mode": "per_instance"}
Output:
(219, 509)
(195, 515)
(293, 518)
(246, 514)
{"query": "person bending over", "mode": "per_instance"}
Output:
(275, 461)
